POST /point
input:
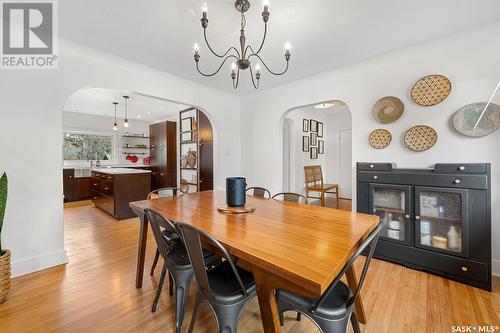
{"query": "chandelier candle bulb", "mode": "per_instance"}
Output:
(204, 9)
(265, 3)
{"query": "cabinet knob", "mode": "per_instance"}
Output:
(417, 217)
(162, 174)
(372, 166)
(70, 176)
(407, 216)
(461, 168)
(457, 181)
(106, 188)
(375, 177)
(465, 269)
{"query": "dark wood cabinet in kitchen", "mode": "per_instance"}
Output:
(163, 144)
(75, 188)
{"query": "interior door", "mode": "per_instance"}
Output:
(441, 220)
(345, 163)
(392, 203)
(206, 159)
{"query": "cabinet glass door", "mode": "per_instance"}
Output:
(441, 219)
(392, 204)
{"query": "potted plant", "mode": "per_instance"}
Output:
(4, 254)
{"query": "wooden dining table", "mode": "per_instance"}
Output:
(287, 245)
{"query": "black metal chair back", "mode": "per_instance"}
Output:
(192, 238)
(166, 192)
(292, 197)
(370, 242)
(259, 192)
(159, 223)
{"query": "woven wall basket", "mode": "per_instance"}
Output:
(431, 90)
(380, 138)
(4, 276)
(420, 138)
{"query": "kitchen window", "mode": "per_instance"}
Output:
(84, 146)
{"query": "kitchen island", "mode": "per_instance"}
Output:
(114, 188)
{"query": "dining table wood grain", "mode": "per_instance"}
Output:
(287, 245)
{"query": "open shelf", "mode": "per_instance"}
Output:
(145, 148)
(135, 136)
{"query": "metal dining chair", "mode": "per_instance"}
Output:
(259, 192)
(335, 308)
(293, 197)
(164, 192)
(227, 288)
(177, 264)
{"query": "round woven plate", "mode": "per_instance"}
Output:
(380, 138)
(431, 90)
(420, 138)
(388, 109)
(236, 210)
(466, 118)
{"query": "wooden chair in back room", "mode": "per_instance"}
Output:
(314, 183)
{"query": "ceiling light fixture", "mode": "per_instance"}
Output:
(138, 116)
(324, 106)
(241, 58)
(115, 126)
(125, 124)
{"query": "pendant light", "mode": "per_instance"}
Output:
(115, 126)
(126, 111)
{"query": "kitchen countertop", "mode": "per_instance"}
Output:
(119, 171)
(105, 166)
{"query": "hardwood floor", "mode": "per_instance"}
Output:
(95, 292)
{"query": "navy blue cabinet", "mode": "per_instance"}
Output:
(436, 219)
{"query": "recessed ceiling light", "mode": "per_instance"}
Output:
(149, 112)
(138, 116)
(324, 106)
(161, 107)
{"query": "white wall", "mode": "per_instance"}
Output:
(101, 124)
(31, 105)
(337, 120)
(470, 60)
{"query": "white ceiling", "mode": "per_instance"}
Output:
(324, 34)
(99, 101)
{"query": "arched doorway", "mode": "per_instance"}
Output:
(319, 135)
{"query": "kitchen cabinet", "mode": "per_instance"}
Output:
(114, 189)
(163, 152)
(436, 219)
(75, 189)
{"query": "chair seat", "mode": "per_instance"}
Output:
(179, 257)
(333, 307)
(323, 188)
(224, 285)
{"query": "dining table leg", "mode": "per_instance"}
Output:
(267, 301)
(352, 281)
(141, 252)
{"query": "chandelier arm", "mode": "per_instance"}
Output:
(263, 41)
(256, 86)
(215, 53)
(218, 69)
(268, 69)
(235, 86)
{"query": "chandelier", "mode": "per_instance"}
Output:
(242, 58)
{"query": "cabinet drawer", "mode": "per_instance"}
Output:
(430, 179)
(106, 187)
(374, 166)
(460, 168)
(95, 184)
(105, 203)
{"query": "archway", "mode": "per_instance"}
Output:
(319, 134)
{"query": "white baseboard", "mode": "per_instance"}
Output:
(33, 264)
(495, 267)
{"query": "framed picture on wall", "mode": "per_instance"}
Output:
(321, 146)
(314, 153)
(187, 124)
(313, 125)
(320, 130)
(305, 125)
(314, 140)
(305, 143)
